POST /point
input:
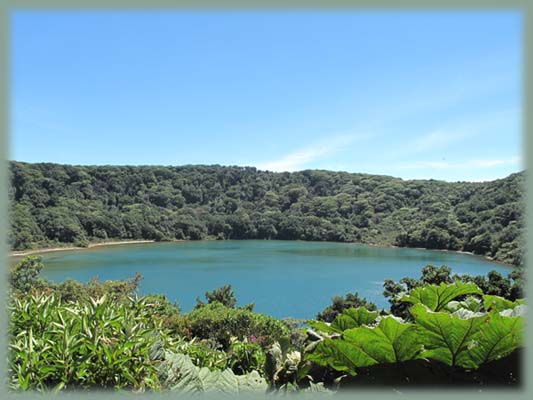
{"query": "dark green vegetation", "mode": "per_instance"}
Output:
(510, 287)
(59, 204)
(70, 335)
(340, 304)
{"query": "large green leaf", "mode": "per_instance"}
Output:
(389, 342)
(498, 337)
(497, 303)
(354, 318)
(322, 326)
(339, 355)
(447, 337)
(251, 382)
(350, 318)
(518, 311)
(227, 382)
(436, 297)
(468, 339)
(179, 373)
(471, 303)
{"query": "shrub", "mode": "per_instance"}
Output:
(245, 356)
(339, 304)
(203, 354)
(83, 344)
(168, 313)
(220, 323)
(24, 276)
(224, 295)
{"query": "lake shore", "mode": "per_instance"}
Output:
(468, 253)
(71, 248)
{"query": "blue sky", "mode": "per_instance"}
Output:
(412, 95)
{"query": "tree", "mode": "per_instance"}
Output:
(223, 295)
(24, 275)
(339, 304)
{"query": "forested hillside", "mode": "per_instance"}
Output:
(54, 204)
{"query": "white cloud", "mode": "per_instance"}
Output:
(470, 164)
(298, 159)
(454, 134)
(438, 139)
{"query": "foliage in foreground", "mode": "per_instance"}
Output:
(510, 288)
(219, 323)
(339, 304)
(179, 373)
(460, 334)
(224, 295)
(104, 337)
(24, 277)
(96, 343)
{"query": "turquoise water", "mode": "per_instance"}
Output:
(283, 278)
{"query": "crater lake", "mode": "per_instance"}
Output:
(283, 278)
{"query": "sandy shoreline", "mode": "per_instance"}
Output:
(91, 245)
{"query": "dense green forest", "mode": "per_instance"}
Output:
(60, 204)
(442, 329)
